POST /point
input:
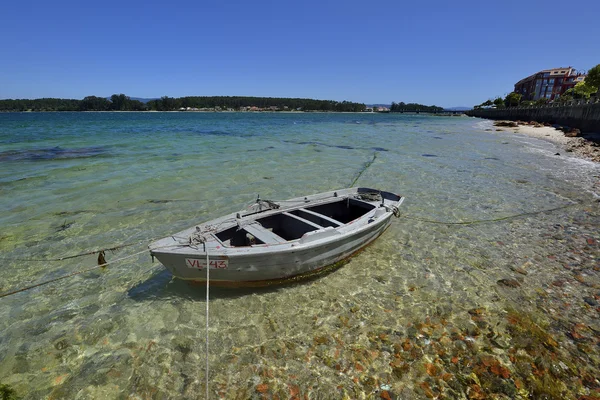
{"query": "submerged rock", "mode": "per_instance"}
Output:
(513, 283)
(591, 301)
(519, 270)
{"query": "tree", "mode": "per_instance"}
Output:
(396, 107)
(93, 103)
(583, 90)
(593, 77)
(566, 97)
(118, 101)
(512, 99)
(498, 102)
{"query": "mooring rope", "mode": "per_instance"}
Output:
(207, 299)
(100, 265)
(88, 253)
(102, 262)
(481, 221)
(367, 165)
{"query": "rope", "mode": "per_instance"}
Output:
(102, 265)
(73, 256)
(207, 299)
(481, 221)
(367, 165)
(102, 262)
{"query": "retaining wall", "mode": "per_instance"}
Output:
(584, 116)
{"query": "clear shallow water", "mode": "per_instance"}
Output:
(499, 308)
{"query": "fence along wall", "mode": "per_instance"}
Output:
(582, 115)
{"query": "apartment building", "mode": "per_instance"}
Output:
(548, 84)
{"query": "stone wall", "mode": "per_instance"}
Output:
(582, 115)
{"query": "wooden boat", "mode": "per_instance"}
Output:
(275, 242)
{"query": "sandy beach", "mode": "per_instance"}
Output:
(586, 146)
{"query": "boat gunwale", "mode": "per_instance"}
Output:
(287, 245)
(287, 212)
(281, 248)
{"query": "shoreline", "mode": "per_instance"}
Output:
(585, 146)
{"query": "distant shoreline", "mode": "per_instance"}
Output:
(440, 114)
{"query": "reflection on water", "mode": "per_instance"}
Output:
(504, 309)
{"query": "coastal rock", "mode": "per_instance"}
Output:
(583, 148)
(510, 124)
(572, 132)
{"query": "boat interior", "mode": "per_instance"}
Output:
(291, 225)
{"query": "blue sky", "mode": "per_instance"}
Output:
(432, 52)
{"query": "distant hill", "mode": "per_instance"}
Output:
(378, 105)
(445, 109)
(144, 100)
(458, 108)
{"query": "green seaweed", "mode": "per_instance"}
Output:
(534, 354)
(7, 393)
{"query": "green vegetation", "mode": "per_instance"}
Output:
(498, 102)
(39, 105)
(7, 393)
(261, 103)
(583, 90)
(593, 76)
(512, 99)
(120, 102)
(117, 102)
(414, 107)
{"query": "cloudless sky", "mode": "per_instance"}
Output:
(447, 53)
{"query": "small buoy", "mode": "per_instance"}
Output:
(101, 259)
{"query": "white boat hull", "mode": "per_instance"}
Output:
(276, 260)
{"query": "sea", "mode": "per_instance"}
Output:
(486, 286)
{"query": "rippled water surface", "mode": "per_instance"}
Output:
(486, 287)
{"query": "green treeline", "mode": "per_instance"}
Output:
(39, 105)
(121, 102)
(414, 107)
(117, 102)
(263, 103)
